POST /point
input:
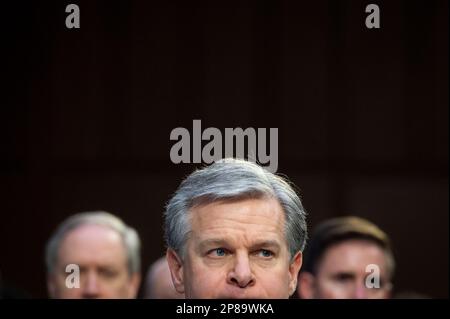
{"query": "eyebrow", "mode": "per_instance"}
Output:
(212, 242)
(217, 242)
(267, 243)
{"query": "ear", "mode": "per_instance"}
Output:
(305, 285)
(294, 268)
(176, 269)
(133, 287)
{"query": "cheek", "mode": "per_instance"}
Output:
(117, 284)
(68, 293)
(330, 290)
(274, 282)
(203, 282)
(61, 290)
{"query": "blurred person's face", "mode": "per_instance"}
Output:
(341, 273)
(236, 249)
(159, 283)
(101, 256)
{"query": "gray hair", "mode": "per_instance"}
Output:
(129, 236)
(230, 179)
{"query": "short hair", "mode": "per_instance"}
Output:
(340, 229)
(230, 179)
(129, 237)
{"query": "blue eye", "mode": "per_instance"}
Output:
(266, 253)
(220, 252)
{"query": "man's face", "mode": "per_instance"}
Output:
(341, 273)
(237, 249)
(159, 283)
(101, 256)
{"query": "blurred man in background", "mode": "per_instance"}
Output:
(340, 256)
(103, 248)
(158, 282)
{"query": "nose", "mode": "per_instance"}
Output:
(91, 287)
(241, 274)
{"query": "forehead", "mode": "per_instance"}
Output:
(92, 243)
(261, 218)
(352, 256)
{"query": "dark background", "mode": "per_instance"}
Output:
(362, 115)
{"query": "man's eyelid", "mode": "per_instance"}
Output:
(213, 250)
(272, 253)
